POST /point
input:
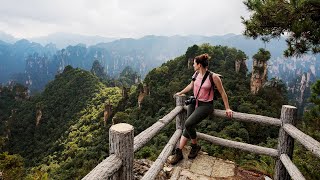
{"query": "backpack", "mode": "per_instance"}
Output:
(216, 93)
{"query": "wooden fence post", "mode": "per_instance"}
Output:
(121, 144)
(285, 141)
(180, 118)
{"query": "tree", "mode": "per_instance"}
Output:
(12, 166)
(312, 117)
(299, 19)
(262, 55)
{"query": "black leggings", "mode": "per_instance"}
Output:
(196, 115)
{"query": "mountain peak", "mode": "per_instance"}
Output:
(7, 37)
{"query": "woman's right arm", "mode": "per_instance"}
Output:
(186, 89)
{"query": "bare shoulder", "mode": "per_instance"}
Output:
(216, 76)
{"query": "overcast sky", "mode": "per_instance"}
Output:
(121, 18)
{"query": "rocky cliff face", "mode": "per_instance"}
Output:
(258, 76)
(143, 92)
(240, 63)
(298, 73)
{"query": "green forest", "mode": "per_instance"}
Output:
(61, 133)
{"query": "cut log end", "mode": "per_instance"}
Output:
(288, 106)
(122, 127)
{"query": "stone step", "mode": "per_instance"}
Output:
(205, 167)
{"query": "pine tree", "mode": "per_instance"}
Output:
(299, 19)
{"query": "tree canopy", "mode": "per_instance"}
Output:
(298, 19)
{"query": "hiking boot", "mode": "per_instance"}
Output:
(195, 148)
(177, 157)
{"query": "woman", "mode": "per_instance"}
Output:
(203, 106)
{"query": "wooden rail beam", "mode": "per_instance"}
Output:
(143, 138)
(162, 158)
(247, 117)
(238, 145)
(307, 141)
(105, 169)
(285, 141)
(291, 168)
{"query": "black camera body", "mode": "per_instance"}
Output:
(191, 100)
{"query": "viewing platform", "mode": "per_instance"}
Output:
(123, 144)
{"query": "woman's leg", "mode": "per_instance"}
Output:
(183, 142)
(196, 117)
(184, 138)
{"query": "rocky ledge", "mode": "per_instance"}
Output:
(203, 167)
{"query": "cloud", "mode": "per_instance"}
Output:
(121, 18)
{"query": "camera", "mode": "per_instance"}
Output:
(191, 100)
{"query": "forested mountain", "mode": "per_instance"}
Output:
(34, 65)
(13, 57)
(172, 76)
(61, 133)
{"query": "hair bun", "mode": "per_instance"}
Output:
(205, 56)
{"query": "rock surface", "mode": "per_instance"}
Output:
(203, 167)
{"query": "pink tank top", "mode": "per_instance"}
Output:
(205, 89)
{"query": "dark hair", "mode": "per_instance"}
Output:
(202, 59)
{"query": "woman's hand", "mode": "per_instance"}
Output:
(229, 113)
(178, 93)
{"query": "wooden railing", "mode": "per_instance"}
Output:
(119, 165)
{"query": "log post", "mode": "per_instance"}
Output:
(180, 118)
(285, 141)
(121, 144)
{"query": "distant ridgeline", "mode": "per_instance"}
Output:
(34, 65)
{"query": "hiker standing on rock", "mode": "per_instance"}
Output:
(200, 105)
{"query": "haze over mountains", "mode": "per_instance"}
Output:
(60, 39)
(36, 61)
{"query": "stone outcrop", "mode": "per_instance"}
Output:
(259, 75)
(38, 117)
(107, 112)
(143, 92)
(301, 87)
(240, 63)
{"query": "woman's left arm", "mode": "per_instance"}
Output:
(218, 83)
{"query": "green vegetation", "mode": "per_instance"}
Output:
(68, 138)
(303, 158)
(11, 166)
(60, 133)
(174, 75)
(300, 19)
(262, 55)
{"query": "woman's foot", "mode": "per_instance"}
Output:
(177, 157)
(195, 148)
